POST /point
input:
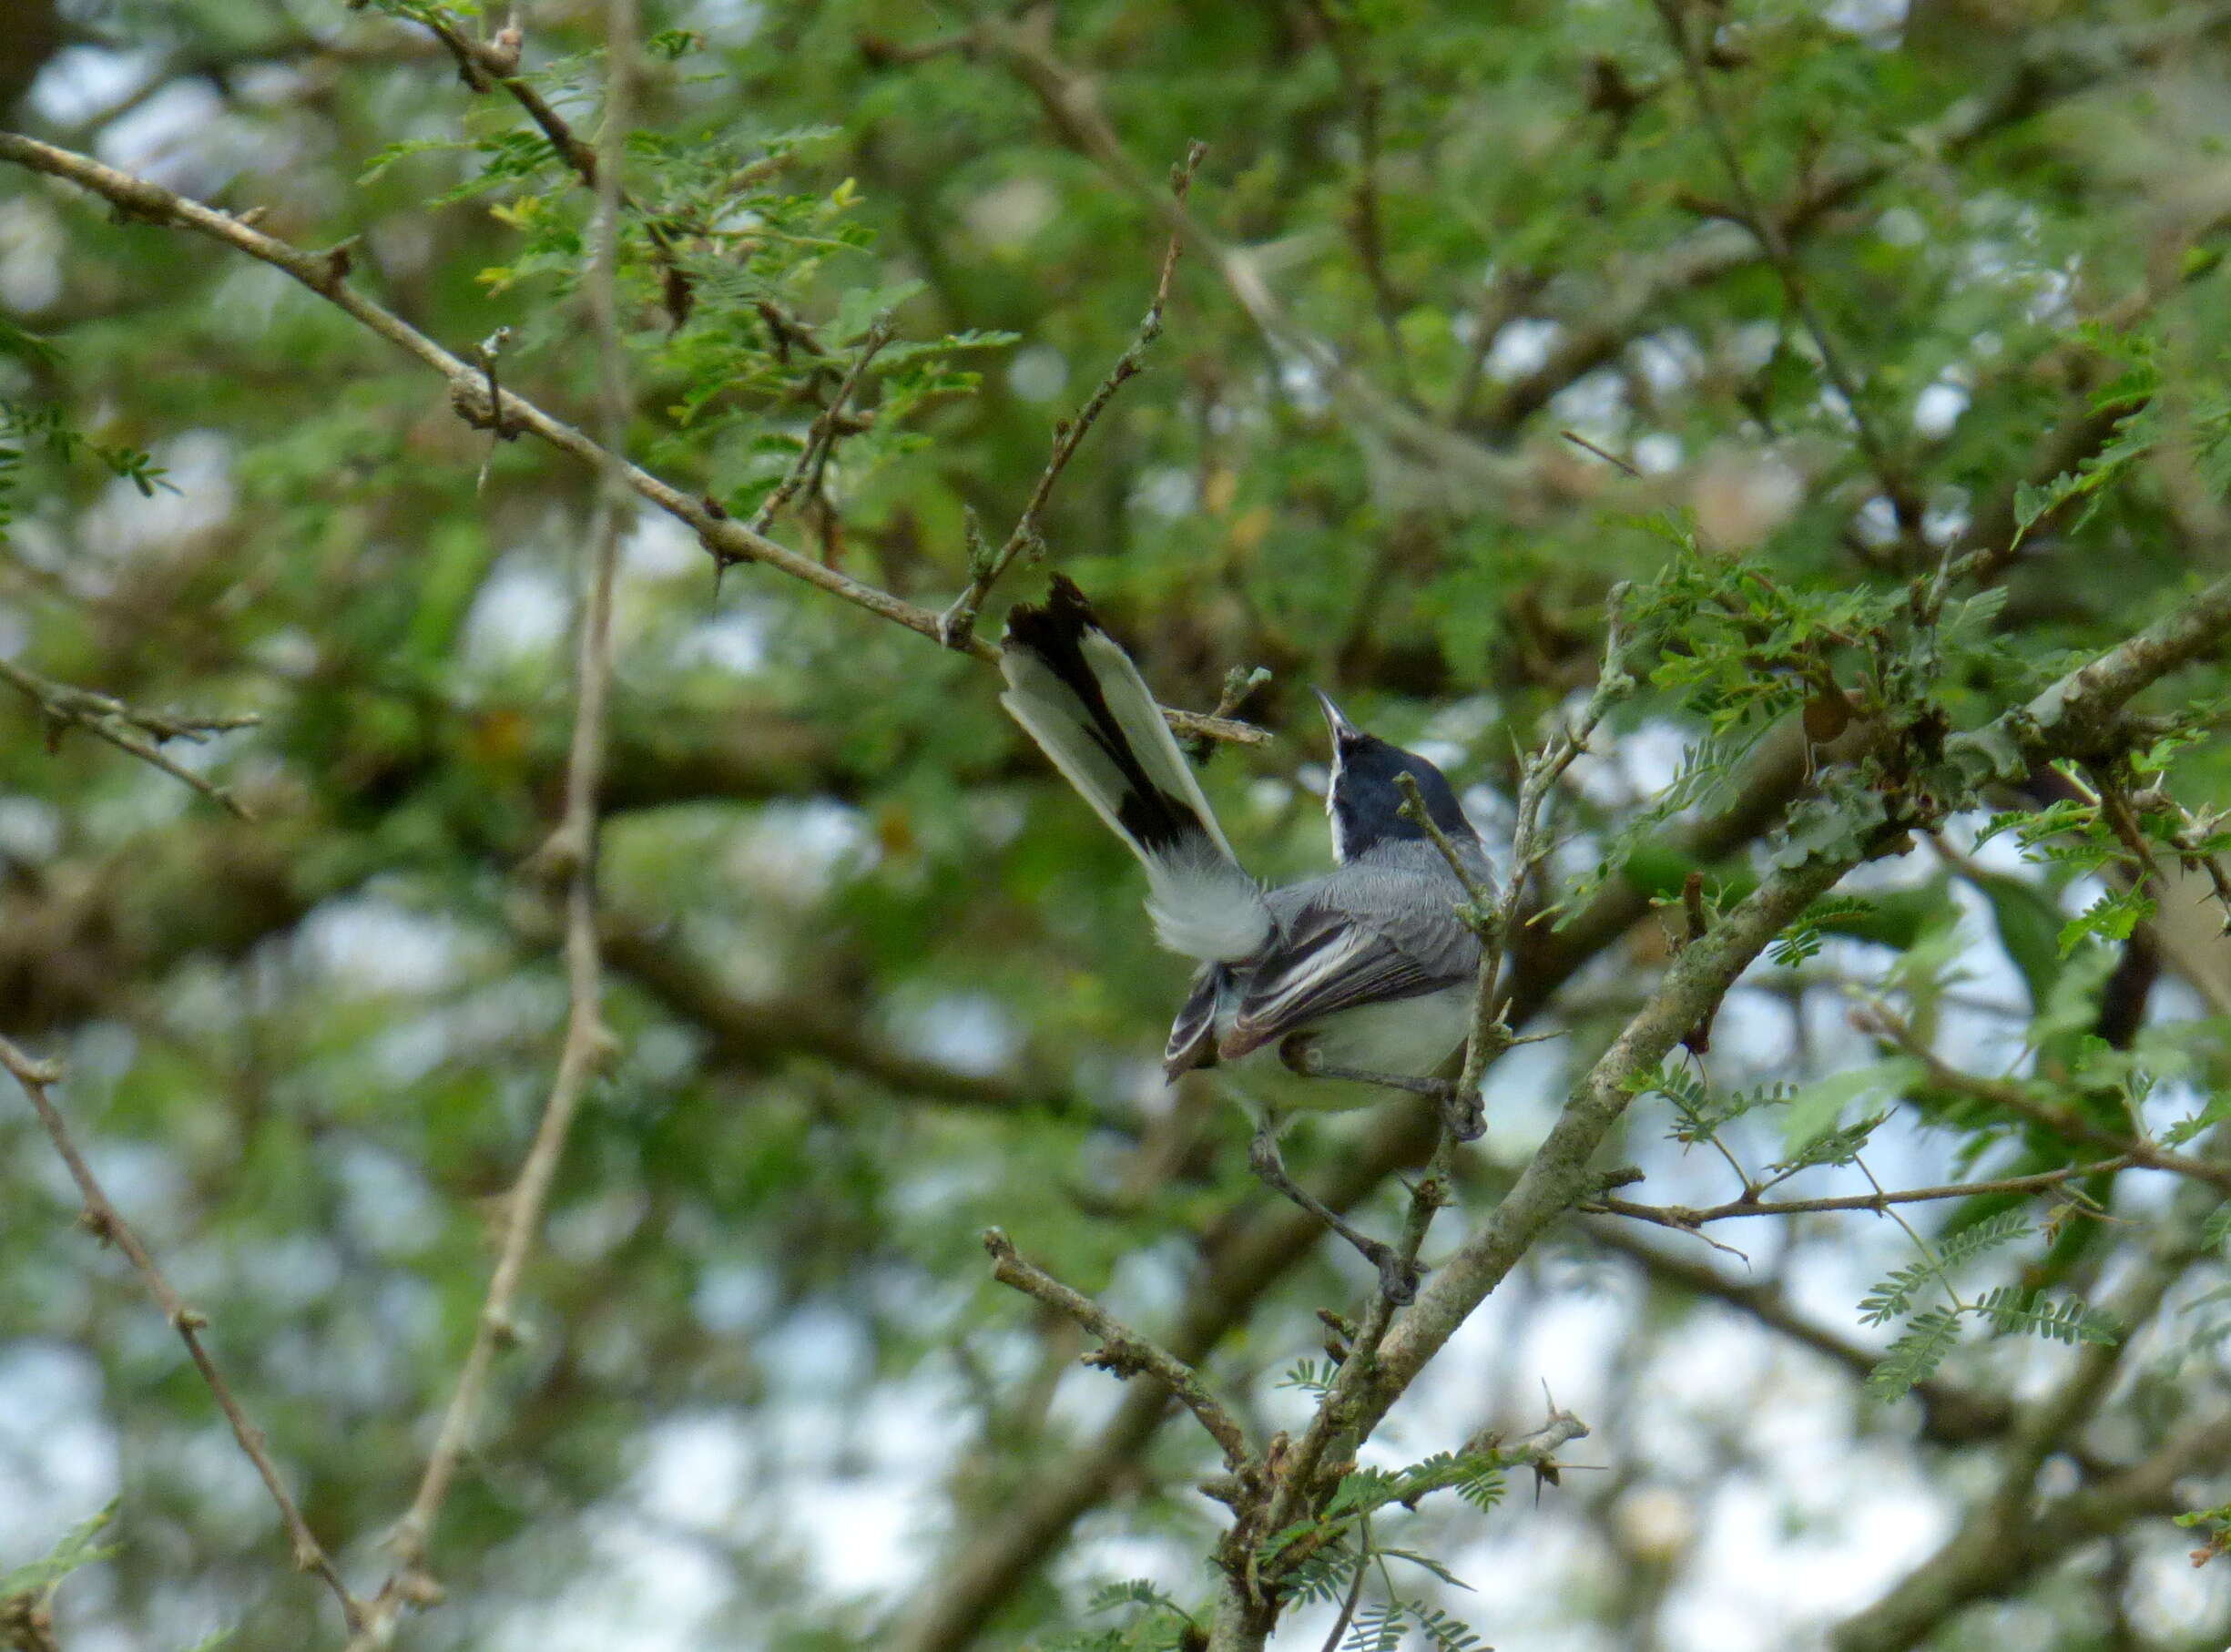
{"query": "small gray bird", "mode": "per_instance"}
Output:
(1365, 974)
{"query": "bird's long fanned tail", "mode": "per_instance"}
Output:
(1077, 694)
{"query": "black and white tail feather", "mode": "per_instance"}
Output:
(1076, 692)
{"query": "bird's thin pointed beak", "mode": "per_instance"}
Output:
(1341, 727)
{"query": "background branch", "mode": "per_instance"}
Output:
(36, 1079)
(569, 856)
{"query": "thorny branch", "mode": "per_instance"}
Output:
(570, 857)
(485, 66)
(724, 538)
(1122, 1350)
(127, 728)
(957, 625)
(101, 1217)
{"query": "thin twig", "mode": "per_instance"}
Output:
(487, 351)
(1688, 1218)
(1497, 917)
(724, 538)
(37, 1078)
(1239, 685)
(822, 436)
(1612, 459)
(2012, 1097)
(957, 625)
(1905, 506)
(1347, 1606)
(1122, 1350)
(63, 706)
(571, 854)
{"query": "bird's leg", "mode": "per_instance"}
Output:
(1398, 1277)
(1466, 1116)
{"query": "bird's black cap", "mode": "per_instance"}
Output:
(1365, 799)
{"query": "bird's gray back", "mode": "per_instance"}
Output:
(1404, 891)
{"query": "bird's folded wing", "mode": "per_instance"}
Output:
(1326, 960)
(1193, 1035)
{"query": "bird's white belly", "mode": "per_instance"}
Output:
(1408, 1037)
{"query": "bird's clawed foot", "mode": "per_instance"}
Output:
(1463, 1117)
(1398, 1275)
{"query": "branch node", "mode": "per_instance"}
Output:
(334, 263)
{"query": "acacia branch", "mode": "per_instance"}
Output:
(2005, 1535)
(1236, 1271)
(483, 66)
(822, 436)
(1122, 1350)
(493, 64)
(1000, 1554)
(101, 1217)
(726, 539)
(2078, 709)
(1560, 1173)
